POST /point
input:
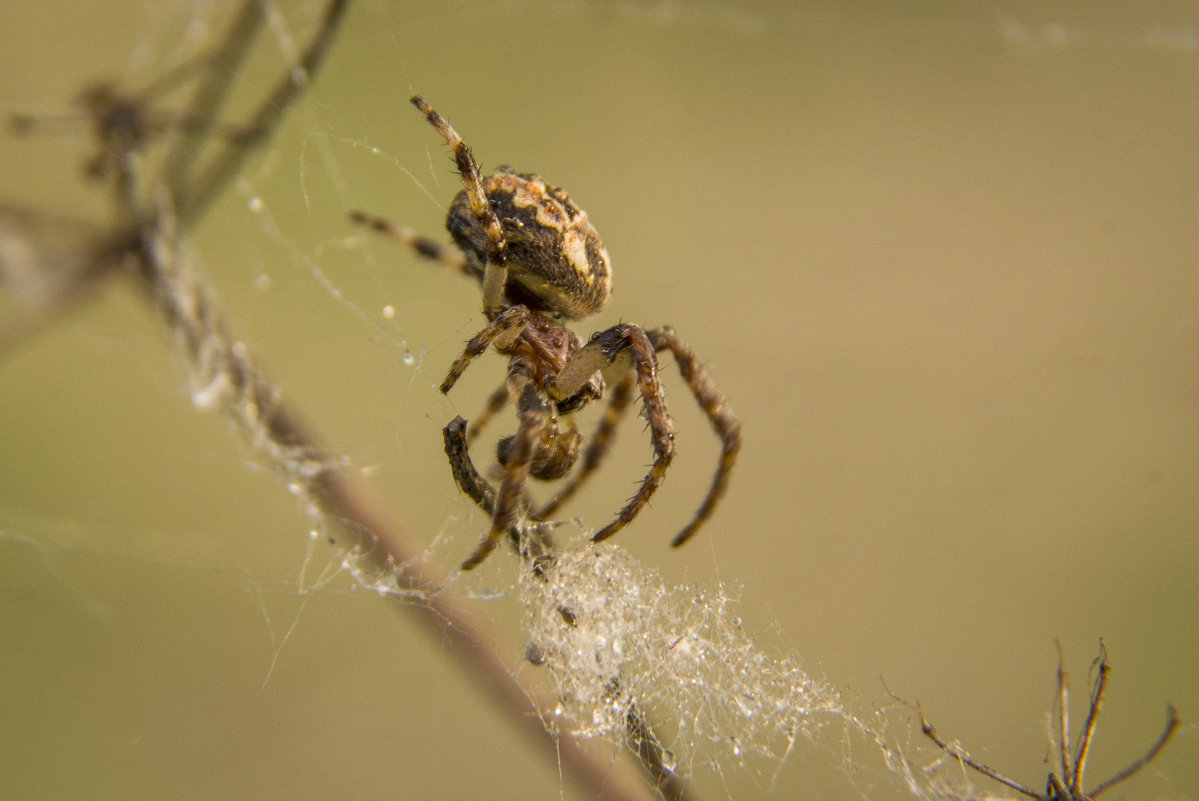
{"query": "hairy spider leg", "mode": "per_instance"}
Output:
(496, 402)
(502, 330)
(473, 485)
(531, 410)
(614, 352)
(610, 352)
(719, 416)
(601, 441)
(406, 236)
(532, 541)
(495, 276)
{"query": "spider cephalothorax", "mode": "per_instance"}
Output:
(539, 260)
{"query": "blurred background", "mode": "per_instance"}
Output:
(941, 261)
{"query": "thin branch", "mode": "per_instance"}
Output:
(23, 232)
(1088, 729)
(643, 741)
(213, 180)
(223, 66)
(1063, 699)
(959, 753)
(1171, 725)
(51, 265)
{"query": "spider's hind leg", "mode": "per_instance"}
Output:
(601, 441)
(721, 417)
(626, 347)
(614, 352)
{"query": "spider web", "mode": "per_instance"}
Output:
(804, 202)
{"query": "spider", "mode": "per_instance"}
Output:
(1069, 785)
(539, 261)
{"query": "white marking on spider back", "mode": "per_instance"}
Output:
(574, 248)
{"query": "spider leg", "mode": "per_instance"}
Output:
(495, 277)
(406, 236)
(472, 484)
(537, 545)
(613, 352)
(959, 753)
(502, 330)
(719, 415)
(531, 413)
(601, 440)
(495, 403)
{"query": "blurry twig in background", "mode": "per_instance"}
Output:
(1066, 784)
(224, 166)
(225, 61)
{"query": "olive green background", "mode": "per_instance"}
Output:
(942, 262)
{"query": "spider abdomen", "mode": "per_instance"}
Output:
(553, 456)
(556, 261)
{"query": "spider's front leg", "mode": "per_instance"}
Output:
(495, 276)
(502, 332)
(532, 408)
(614, 352)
